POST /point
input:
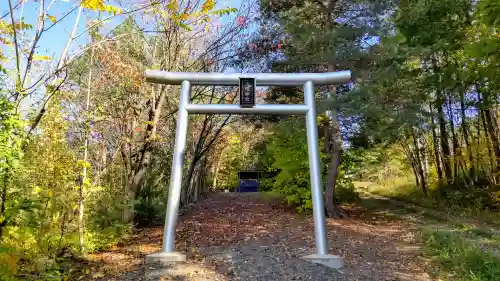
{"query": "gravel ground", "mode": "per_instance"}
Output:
(237, 237)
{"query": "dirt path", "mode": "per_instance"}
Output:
(239, 237)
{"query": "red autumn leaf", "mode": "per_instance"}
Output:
(241, 21)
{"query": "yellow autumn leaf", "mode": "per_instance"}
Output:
(36, 190)
(52, 18)
(5, 41)
(93, 4)
(41, 58)
(98, 5)
(173, 6)
(208, 6)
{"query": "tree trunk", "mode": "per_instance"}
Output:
(413, 161)
(465, 131)
(4, 220)
(422, 167)
(478, 156)
(490, 121)
(491, 155)
(3, 198)
(332, 209)
(216, 173)
(83, 177)
(418, 163)
(490, 128)
(146, 154)
(445, 147)
(425, 158)
(327, 135)
(188, 182)
(482, 124)
(455, 159)
(415, 173)
(197, 187)
(436, 147)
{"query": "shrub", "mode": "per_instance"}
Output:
(9, 263)
(150, 207)
(287, 153)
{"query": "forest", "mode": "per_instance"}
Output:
(86, 143)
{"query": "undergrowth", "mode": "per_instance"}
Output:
(458, 258)
(460, 227)
(32, 262)
(479, 204)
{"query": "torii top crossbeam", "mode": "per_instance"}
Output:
(261, 79)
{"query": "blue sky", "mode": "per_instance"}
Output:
(54, 40)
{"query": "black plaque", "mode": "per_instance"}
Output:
(247, 92)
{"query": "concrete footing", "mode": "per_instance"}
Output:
(166, 258)
(328, 260)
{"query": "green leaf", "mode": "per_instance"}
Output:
(173, 6)
(185, 26)
(225, 11)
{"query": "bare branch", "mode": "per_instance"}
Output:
(16, 48)
(112, 16)
(50, 5)
(61, 63)
(11, 9)
(63, 17)
(38, 33)
(40, 114)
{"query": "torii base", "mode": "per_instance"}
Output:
(327, 260)
(165, 258)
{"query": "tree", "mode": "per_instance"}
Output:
(425, 87)
(140, 113)
(92, 135)
(324, 36)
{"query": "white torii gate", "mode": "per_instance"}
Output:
(247, 106)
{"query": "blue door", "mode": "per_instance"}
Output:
(248, 186)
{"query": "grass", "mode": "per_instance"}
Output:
(463, 243)
(270, 195)
(403, 189)
(456, 258)
(273, 198)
